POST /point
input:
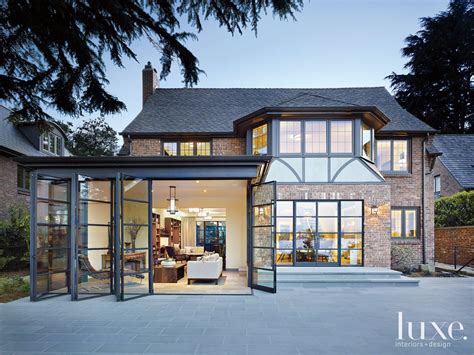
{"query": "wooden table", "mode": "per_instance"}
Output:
(168, 274)
(193, 256)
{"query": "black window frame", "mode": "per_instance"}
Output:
(403, 235)
(178, 146)
(56, 138)
(437, 182)
(268, 138)
(409, 153)
(23, 187)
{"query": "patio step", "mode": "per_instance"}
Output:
(354, 276)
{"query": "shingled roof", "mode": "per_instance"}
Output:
(215, 110)
(458, 156)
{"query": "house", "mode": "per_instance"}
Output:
(271, 180)
(453, 170)
(22, 139)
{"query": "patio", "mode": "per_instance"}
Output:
(355, 320)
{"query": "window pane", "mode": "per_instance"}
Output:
(327, 256)
(170, 148)
(306, 224)
(315, 137)
(327, 209)
(396, 223)
(306, 209)
(19, 177)
(400, 150)
(284, 257)
(341, 136)
(351, 224)
(259, 140)
(327, 225)
(203, 148)
(328, 241)
(57, 145)
(45, 138)
(366, 141)
(437, 183)
(383, 155)
(186, 148)
(284, 241)
(351, 208)
(290, 137)
(351, 257)
(284, 208)
(410, 223)
(351, 241)
(284, 225)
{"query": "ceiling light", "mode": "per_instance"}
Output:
(172, 208)
(204, 190)
(197, 181)
(193, 210)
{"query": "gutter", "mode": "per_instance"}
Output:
(423, 234)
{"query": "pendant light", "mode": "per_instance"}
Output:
(172, 208)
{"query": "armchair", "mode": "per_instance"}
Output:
(172, 254)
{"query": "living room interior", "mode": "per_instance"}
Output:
(199, 238)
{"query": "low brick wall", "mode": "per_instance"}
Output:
(448, 238)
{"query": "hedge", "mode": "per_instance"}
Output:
(456, 210)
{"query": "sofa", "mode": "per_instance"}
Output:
(207, 268)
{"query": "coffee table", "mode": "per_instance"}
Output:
(168, 274)
(194, 256)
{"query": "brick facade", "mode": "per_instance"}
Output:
(145, 147)
(9, 195)
(449, 185)
(446, 239)
(228, 146)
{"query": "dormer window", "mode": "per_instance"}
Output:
(186, 148)
(51, 143)
(260, 140)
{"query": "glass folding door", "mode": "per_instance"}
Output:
(263, 268)
(50, 237)
(94, 239)
(136, 278)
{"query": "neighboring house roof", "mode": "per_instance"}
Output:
(458, 156)
(215, 110)
(12, 140)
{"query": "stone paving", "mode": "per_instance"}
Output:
(320, 320)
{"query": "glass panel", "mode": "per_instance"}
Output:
(366, 141)
(92, 212)
(265, 278)
(327, 225)
(315, 137)
(49, 237)
(284, 257)
(351, 257)
(306, 209)
(186, 148)
(396, 223)
(326, 209)
(51, 260)
(136, 190)
(52, 212)
(259, 140)
(305, 241)
(284, 225)
(305, 256)
(51, 189)
(135, 212)
(170, 149)
(410, 223)
(263, 258)
(351, 224)
(136, 261)
(351, 208)
(94, 236)
(20, 177)
(351, 241)
(306, 224)
(400, 152)
(328, 241)
(290, 137)
(341, 136)
(56, 283)
(263, 237)
(95, 190)
(97, 260)
(327, 256)
(284, 208)
(203, 148)
(383, 155)
(135, 236)
(284, 240)
(262, 215)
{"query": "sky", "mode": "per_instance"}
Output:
(332, 43)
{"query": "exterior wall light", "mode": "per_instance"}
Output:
(172, 208)
(374, 210)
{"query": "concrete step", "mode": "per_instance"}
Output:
(403, 281)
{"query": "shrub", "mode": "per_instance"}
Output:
(402, 258)
(14, 240)
(455, 211)
(13, 284)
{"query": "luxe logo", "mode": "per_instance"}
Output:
(436, 331)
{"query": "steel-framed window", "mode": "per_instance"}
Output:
(393, 155)
(260, 140)
(437, 184)
(405, 222)
(23, 178)
(186, 148)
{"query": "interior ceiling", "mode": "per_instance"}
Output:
(197, 193)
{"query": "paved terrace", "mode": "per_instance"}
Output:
(322, 320)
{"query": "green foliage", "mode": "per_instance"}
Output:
(438, 87)
(455, 211)
(94, 138)
(403, 257)
(52, 52)
(13, 284)
(14, 240)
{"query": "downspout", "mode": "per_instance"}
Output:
(423, 154)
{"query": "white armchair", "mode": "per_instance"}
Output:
(205, 269)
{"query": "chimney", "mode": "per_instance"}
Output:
(149, 81)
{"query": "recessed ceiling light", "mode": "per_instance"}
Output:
(204, 190)
(197, 181)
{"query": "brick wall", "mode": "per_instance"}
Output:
(376, 227)
(228, 146)
(406, 191)
(9, 195)
(449, 185)
(145, 147)
(448, 238)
